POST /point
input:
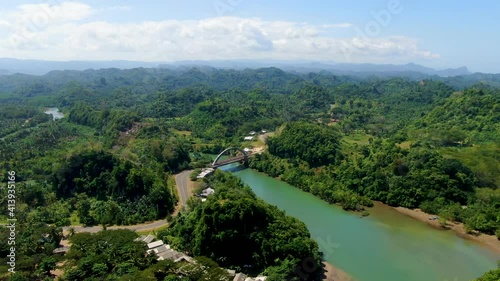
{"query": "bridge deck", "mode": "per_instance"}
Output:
(231, 160)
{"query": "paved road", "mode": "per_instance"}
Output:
(264, 136)
(182, 181)
(137, 227)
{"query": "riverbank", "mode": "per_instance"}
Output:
(366, 247)
(334, 274)
(490, 241)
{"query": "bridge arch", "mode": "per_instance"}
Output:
(229, 149)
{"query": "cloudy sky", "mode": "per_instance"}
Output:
(438, 34)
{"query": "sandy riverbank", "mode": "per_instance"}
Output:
(489, 241)
(334, 274)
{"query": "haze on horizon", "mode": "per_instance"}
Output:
(444, 34)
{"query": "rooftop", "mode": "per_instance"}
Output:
(148, 239)
(155, 244)
(61, 250)
(239, 277)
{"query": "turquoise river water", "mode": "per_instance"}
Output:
(385, 246)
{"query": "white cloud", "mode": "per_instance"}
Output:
(118, 8)
(50, 13)
(337, 25)
(65, 31)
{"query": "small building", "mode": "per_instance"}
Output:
(263, 131)
(231, 272)
(140, 238)
(206, 192)
(61, 250)
(240, 277)
(252, 133)
(246, 149)
(202, 175)
(161, 249)
(171, 255)
(164, 252)
(249, 138)
(155, 244)
(148, 239)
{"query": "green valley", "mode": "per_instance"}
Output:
(425, 144)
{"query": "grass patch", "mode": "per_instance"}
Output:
(405, 144)
(181, 133)
(145, 233)
(153, 232)
(483, 160)
(43, 100)
(358, 138)
(74, 219)
(255, 143)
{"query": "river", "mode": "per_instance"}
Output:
(54, 111)
(385, 246)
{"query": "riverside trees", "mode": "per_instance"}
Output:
(492, 275)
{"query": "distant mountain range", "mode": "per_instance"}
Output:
(340, 68)
(40, 67)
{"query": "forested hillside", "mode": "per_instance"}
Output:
(466, 118)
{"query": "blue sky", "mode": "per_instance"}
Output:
(437, 34)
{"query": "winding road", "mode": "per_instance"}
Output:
(182, 181)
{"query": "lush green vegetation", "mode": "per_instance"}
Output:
(314, 144)
(115, 255)
(466, 118)
(108, 191)
(236, 229)
(429, 144)
(34, 244)
(90, 255)
(418, 177)
(482, 159)
(296, 155)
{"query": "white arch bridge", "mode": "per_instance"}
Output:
(242, 157)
